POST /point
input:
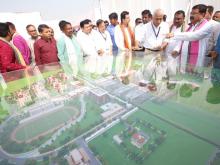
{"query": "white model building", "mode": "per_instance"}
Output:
(111, 110)
(117, 139)
(100, 96)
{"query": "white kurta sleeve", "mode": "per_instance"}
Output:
(178, 46)
(87, 46)
(119, 39)
(196, 35)
(138, 31)
(97, 40)
(109, 40)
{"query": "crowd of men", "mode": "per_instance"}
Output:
(183, 46)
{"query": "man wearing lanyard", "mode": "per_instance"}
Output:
(154, 41)
(104, 43)
(154, 33)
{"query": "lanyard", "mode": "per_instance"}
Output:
(104, 37)
(156, 34)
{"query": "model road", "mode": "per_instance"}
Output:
(93, 160)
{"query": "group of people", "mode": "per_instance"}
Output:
(181, 46)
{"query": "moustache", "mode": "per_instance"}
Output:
(192, 18)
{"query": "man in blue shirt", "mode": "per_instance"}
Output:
(113, 18)
(215, 73)
(216, 54)
(216, 63)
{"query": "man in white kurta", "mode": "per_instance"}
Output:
(31, 30)
(154, 43)
(124, 39)
(69, 50)
(124, 35)
(119, 36)
(86, 39)
(103, 42)
(173, 48)
(202, 35)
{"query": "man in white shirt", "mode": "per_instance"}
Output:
(172, 49)
(31, 30)
(154, 42)
(139, 29)
(103, 38)
(154, 33)
(86, 39)
(104, 43)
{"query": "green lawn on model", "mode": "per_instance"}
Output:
(90, 120)
(44, 123)
(201, 122)
(178, 148)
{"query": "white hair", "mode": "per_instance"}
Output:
(158, 12)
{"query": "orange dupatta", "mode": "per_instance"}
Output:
(131, 33)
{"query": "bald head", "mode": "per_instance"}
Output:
(158, 17)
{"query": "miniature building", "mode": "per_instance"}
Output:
(76, 83)
(110, 110)
(100, 96)
(84, 155)
(117, 139)
(39, 91)
(78, 157)
(56, 83)
(134, 94)
(108, 83)
(139, 140)
(63, 76)
(23, 97)
(125, 88)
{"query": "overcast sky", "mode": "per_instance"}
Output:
(50, 9)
